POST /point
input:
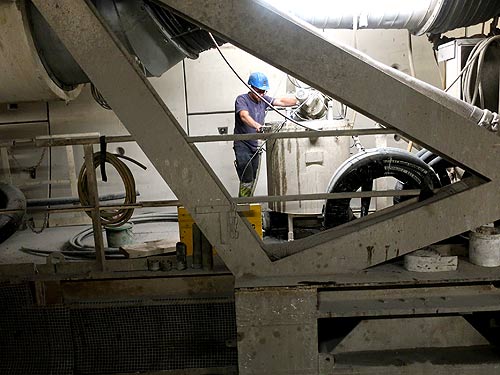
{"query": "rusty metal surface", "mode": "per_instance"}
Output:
(277, 327)
(385, 275)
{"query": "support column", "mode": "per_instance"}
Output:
(277, 331)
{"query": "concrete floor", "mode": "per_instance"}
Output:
(56, 239)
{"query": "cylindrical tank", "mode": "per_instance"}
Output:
(23, 76)
(36, 66)
(304, 165)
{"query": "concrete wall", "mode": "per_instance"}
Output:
(200, 93)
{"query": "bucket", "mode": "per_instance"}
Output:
(119, 236)
(484, 247)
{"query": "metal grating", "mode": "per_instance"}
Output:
(33, 340)
(15, 296)
(116, 337)
(153, 338)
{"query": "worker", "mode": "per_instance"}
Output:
(250, 111)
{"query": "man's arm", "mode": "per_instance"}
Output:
(248, 120)
(284, 102)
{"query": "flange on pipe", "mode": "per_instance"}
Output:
(24, 77)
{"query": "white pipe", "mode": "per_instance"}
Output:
(370, 14)
(417, 16)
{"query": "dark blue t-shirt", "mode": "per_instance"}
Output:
(256, 110)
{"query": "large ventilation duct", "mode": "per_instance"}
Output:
(39, 67)
(417, 16)
(23, 76)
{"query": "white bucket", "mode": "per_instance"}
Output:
(484, 247)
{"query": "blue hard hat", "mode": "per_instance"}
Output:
(259, 80)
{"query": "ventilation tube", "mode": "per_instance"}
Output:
(156, 37)
(417, 16)
(36, 66)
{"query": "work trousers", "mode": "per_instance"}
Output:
(247, 166)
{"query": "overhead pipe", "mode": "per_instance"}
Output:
(417, 16)
(434, 17)
(157, 38)
(36, 66)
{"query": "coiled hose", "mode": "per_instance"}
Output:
(473, 82)
(437, 163)
(116, 217)
(360, 170)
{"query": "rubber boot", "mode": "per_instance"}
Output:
(245, 189)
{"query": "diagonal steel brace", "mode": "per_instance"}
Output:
(149, 121)
(419, 111)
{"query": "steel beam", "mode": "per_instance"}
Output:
(408, 301)
(420, 112)
(277, 331)
(152, 125)
(282, 135)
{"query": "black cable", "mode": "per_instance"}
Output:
(110, 217)
(295, 83)
(261, 147)
(76, 250)
(99, 98)
(255, 92)
(263, 99)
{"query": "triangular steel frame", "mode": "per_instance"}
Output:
(420, 112)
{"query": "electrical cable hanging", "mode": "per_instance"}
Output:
(472, 86)
(411, 63)
(269, 104)
(258, 151)
(473, 58)
(99, 98)
(261, 147)
(252, 90)
(110, 218)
